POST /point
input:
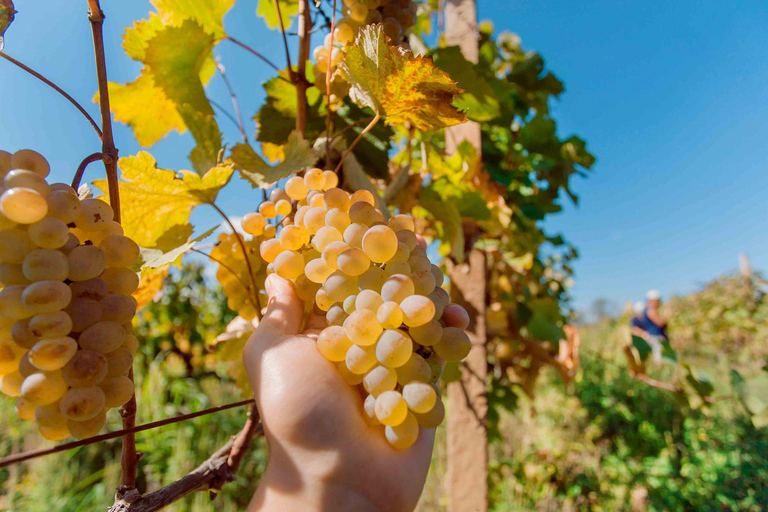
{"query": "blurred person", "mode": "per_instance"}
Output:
(655, 324)
(637, 324)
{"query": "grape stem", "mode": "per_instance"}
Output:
(328, 91)
(242, 283)
(93, 157)
(354, 143)
(257, 54)
(240, 242)
(21, 457)
(222, 72)
(349, 126)
(55, 88)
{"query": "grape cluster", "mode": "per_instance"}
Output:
(395, 16)
(390, 323)
(66, 342)
(233, 272)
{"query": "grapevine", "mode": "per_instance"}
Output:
(67, 308)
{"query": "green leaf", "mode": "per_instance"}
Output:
(397, 85)
(546, 322)
(469, 202)
(154, 258)
(297, 155)
(448, 214)
(478, 101)
(7, 13)
(642, 346)
(268, 10)
(668, 354)
(276, 118)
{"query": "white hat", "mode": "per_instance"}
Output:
(653, 295)
(638, 307)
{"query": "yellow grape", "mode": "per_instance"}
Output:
(86, 262)
(324, 236)
(11, 274)
(53, 433)
(401, 222)
(416, 369)
(396, 288)
(94, 213)
(63, 206)
(81, 404)
(283, 207)
(363, 213)
(397, 267)
(11, 303)
(119, 361)
(369, 409)
(43, 388)
(270, 231)
(408, 238)
(394, 348)
(31, 161)
(123, 281)
(417, 310)
(427, 334)
(269, 249)
(314, 219)
(24, 410)
(372, 279)
(318, 270)
(423, 282)
(305, 288)
(360, 359)
(402, 253)
(333, 343)
(420, 397)
(53, 353)
(103, 337)
(23, 205)
(253, 223)
(362, 327)
(323, 301)
(293, 238)
(84, 313)
(131, 343)
(46, 296)
(389, 314)
(350, 304)
(354, 234)
(314, 179)
(392, 29)
(339, 286)
(310, 254)
(86, 368)
(336, 198)
(22, 335)
(403, 436)
(353, 261)
(434, 417)
(363, 195)
(15, 244)
(278, 194)
(119, 250)
(350, 378)
(50, 415)
(344, 33)
(289, 265)
(87, 428)
(267, 209)
(6, 223)
(110, 228)
(337, 218)
(19, 178)
(455, 315)
(379, 379)
(358, 12)
(336, 315)
(10, 384)
(380, 243)
(437, 274)
(117, 391)
(454, 344)
(331, 180)
(25, 367)
(118, 308)
(49, 233)
(45, 265)
(316, 199)
(391, 408)
(368, 299)
(296, 189)
(332, 251)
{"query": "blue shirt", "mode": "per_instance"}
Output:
(650, 327)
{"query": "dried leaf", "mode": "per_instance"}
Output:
(7, 13)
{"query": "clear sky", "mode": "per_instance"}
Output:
(672, 98)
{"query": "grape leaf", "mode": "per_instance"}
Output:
(479, 100)
(276, 118)
(7, 13)
(268, 10)
(398, 85)
(209, 14)
(150, 282)
(154, 258)
(155, 200)
(229, 348)
(297, 154)
(448, 214)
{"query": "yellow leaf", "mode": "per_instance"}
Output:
(150, 282)
(398, 85)
(207, 13)
(155, 200)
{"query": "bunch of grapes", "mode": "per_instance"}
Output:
(390, 323)
(233, 272)
(395, 16)
(66, 342)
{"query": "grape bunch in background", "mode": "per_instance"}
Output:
(66, 342)
(391, 325)
(396, 17)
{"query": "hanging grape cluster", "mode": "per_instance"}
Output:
(395, 16)
(66, 342)
(390, 323)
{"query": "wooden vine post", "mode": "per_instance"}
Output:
(467, 479)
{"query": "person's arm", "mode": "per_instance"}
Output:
(637, 331)
(656, 318)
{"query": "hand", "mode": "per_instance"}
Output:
(322, 453)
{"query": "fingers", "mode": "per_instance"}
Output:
(284, 312)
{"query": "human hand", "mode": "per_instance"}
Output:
(322, 453)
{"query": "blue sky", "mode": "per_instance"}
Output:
(671, 97)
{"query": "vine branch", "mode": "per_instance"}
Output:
(93, 157)
(55, 88)
(300, 78)
(259, 55)
(328, 91)
(354, 143)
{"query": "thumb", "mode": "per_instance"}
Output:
(284, 313)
